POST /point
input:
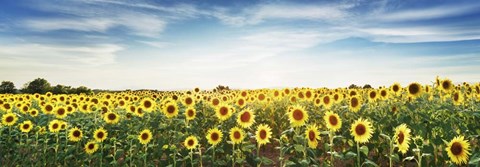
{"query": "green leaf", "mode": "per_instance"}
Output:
(369, 162)
(266, 161)
(474, 161)
(364, 150)
(386, 136)
(350, 155)
(409, 158)
(299, 148)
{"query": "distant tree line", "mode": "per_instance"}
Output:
(42, 86)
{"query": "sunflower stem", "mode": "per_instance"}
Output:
(101, 153)
(331, 147)
(191, 157)
(233, 156)
(391, 152)
(56, 149)
(358, 154)
(258, 155)
(145, 156)
(213, 157)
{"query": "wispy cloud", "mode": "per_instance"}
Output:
(156, 44)
(59, 55)
(427, 13)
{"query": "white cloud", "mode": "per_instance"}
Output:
(156, 44)
(427, 13)
(39, 54)
(84, 24)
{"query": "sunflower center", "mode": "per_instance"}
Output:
(333, 120)
(311, 135)
(236, 135)
(61, 111)
(245, 117)
(144, 136)
(147, 104)
(360, 129)
(455, 96)
(223, 110)
(214, 136)
(55, 126)
(326, 100)
(446, 85)
(383, 93)
(26, 126)
(188, 100)
(132, 108)
(9, 119)
(100, 135)
(401, 137)
(413, 89)
(395, 88)
(190, 113)
(91, 146)
(354, 102)
(76, 133)
(456, 148)
(297, 115)
(190, 142)
(112, 116)
(49, 108)
(373, 95)
(170, 109)
(308, 94)
(263, 134)
(240, 102)
(215, 102)
(261, 97)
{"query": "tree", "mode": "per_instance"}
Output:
(61, 89)
(38, 85)
(7, 87)
(353, 86)
(367, 86)
(82, 89)
(220, 88)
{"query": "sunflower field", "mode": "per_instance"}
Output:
(410, 125)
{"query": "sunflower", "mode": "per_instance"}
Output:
(54, 126)
(48, 108)
(414, 90)
(355, 103)
(147, 104)
(240, 102)
(246, 118)
(7, 107)
(457, 98)
(402, 137)
(372, 95)
(91, 147)
(188, 101)
(458, 150)
(190, 142)
(145, 136)
(60, 112)
(111, 117)
(396, 88)
(236, 135)
(75, 134)
(333, 121)
(190, 113)
(384, 94)
(170, 109)
(327, 101)
(446, 85)
(297, 116)
(214, 136)
(313, 135)
(100, 135)
(26, 126)
(263, 134)
(9, 119)
(361, 130)
(223, 112)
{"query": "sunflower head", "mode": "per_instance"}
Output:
(111, 117)
(54, 126)
(246, 118)
(333, 121)
(91, 147)
(263, 134)
(145, 136)
(361, 130)
(214, 136)
(190, 142)
(147, 104)
(446, 85)
(223, 111)
(297, 116)
(414, 90)
(402, 138)
(9, 119)
(236, 135)
(313, 135)
(355, 103)
(190, 113)
(100, 135)
(26, 126)
(170, 109)
(458, 149)
(75, 134)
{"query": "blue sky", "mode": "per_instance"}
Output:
(172, 45)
